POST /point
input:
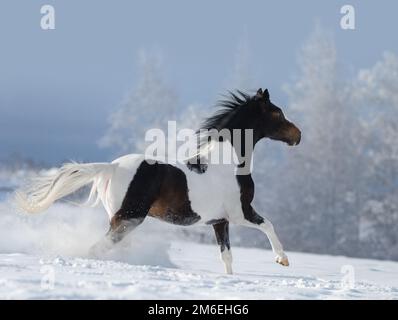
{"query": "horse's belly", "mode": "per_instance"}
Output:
(209, 206)
(177, 217)
(207, 195)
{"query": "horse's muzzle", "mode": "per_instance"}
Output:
(295, 137)
(298, 138)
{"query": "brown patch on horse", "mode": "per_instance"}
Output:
(158, 190)
(172, 203)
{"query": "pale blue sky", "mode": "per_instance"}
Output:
(57, 87)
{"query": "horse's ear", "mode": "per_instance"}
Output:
(266, 94)
(259, 94)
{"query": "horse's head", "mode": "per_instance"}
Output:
(257, 113)
(271, 122)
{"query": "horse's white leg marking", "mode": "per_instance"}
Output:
(276, 245)
(226, 257)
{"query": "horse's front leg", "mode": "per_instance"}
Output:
(253, 220)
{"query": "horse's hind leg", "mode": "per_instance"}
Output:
(140, 195)
(221, 230)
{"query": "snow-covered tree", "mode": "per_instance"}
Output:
(337, 192)
(150, 104)
(318, 186)
(376, 91)
(242, 74)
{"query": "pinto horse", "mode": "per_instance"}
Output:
(132, 188)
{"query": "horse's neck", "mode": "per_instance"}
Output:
(227, 155)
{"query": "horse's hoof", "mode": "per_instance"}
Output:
(283, 260)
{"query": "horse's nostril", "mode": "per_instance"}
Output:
(299, 139)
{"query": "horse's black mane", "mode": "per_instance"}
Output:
(229, 107)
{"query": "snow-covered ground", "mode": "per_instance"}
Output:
(197, 274)
(45, 257)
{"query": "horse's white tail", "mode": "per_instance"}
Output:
(45, 190)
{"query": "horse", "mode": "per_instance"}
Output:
(190, 193)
